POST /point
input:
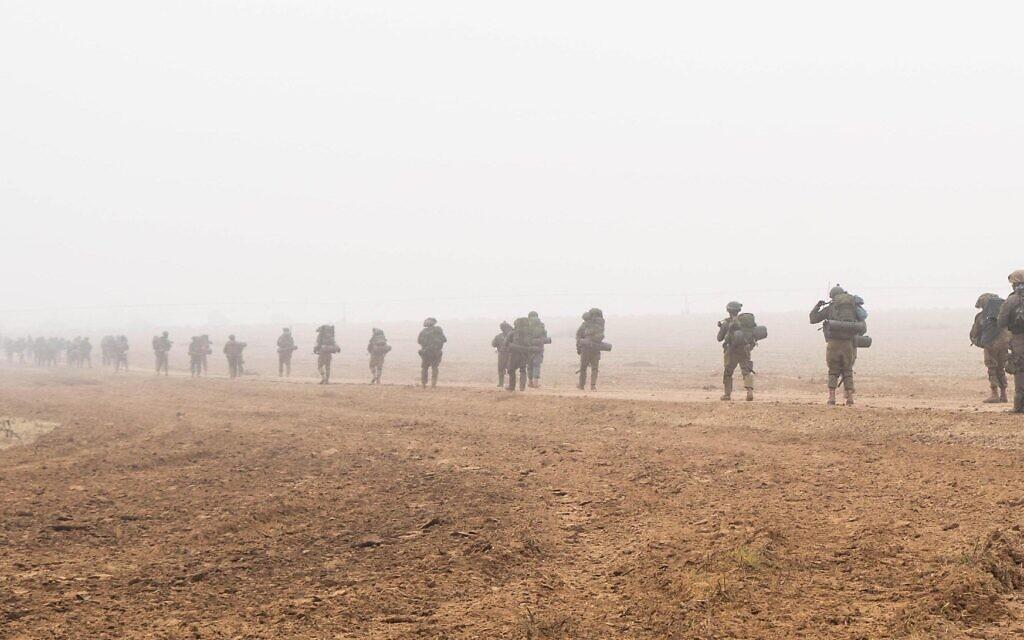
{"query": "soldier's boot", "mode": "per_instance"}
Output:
(849, 397)
(831, 396)
(433, 377)
(423, 378)
(1002, 394)
(583, 379)
(993, 397)
(750, 394)
(522, 383)
(748, 384)
(593, 380)
(727, 396)
(501, 379)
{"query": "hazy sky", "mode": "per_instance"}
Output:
(457, 158)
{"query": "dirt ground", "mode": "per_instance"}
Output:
(144, 507)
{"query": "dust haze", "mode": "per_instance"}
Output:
(269, 161)
(221, 168)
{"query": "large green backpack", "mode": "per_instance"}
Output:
(746, 321)
(844, 308)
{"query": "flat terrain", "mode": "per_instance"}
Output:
(143, 507)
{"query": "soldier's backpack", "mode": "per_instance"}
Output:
(749, 331)
(989, 332)
(1015, 322)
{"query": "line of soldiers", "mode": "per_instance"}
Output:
(998, 329)
(45, 352)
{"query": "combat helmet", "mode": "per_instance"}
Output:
(983, 300)
(835, 291)
(1017, 277)
(734, 307)
(429, 322)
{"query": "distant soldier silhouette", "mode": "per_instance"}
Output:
(121, 354)
(431, 341)
(538, 338)
(208, 350)
(589, 345)
(325, 349)
(285, 348)
(233, 350)
(520, 351)
(85, 352)
(161, 347)
(994, 341)
(501, 347)
(196, 351)
(378, 347)
(1011, 317)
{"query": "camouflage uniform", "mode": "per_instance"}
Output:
(161, 345)
(996, 354)
(538, 337)
(431, 341)
(520, 351)
(196, 350)
(85, 352)
(500, 344)
(592, 330)
(121, 354)
(840, 353)
(233, 351)
(208, 349)
(378, 347)
(285, 348)
(1015, 362)
(325, 349)
(736, 353)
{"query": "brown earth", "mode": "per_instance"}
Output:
(177, 508)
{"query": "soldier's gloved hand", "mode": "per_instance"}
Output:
(820, 304)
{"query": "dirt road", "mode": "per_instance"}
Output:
(176, 508)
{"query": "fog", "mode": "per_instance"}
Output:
(249, 162)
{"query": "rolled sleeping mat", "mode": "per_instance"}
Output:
(522, 348)
(862, 342)
(598, 345)
(845, 329)
(759, 332)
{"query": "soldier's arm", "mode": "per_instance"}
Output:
(819, 313)
(1003, 319)
(976, 329)
(723, 330)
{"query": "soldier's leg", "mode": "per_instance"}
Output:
(502, 367)
(834, 363)
(729, 368)
(584, 363)
(511, 378)
(424, 371)
(747, 367)
(433, 372)
(280, 366)
(849, 357)
(595, 360)
(524, 374)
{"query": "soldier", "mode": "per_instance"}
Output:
(589, 345)
(207, 351)
(161, 345)
(520, 352)
(539, 338)
(325, 349)
(500, 344)
(121, 354)
(838, 317)
(107, 345)
(431, 341)
(196, 350)
(285, 348)
(233, 350)
(995, 341)
(1011, 317)
(378, 347)
(85, 352)
(736, 350)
